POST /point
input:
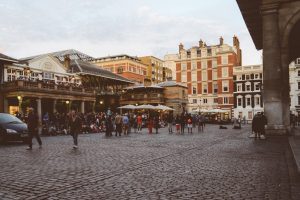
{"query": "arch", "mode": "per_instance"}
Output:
(291, 25)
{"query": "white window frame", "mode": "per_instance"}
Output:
(247, 84)
(214, 64)
(224, 59)
(215, 74)
(225, 83)
(194, 76)
(204, 64)
(183, 66)
(204, 87)
(255, 85)
(204, 75)
(194, 87)
(246, 100)
(224, 71)
(239, 85)
(225, 100)
(255, 100)
(194, 65)
(183, 74)
(237, 101)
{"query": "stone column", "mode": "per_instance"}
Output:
(272, 71)
(82, 110)
(39, 113)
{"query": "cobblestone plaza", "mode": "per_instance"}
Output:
(216, 164)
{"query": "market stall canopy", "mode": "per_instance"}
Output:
(201, 111)
(131, 107)
(162, 107)
(146, 107)
(217, 110)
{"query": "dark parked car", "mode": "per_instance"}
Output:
(12, 128)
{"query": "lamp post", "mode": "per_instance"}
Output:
(68, 105)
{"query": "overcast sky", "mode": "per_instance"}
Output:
(108, 27)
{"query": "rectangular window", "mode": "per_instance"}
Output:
(298, 100)
(194, 101)
(239, 88)
(248, 101)
(215, 75)
(224, 71)
(256, 76)
(47, 75)
(183, 77)
(247, 77)
(205, 101)
(215, 87)
(204, 64)
(194, 89)
(298, 72)
(257, 86)
(257, 101)
(204, 88)
(183, 66)
(224, 59)
(225, 86)
(194, 76)
(297, 62)
(194, 65)
(248, 87)
(204, 76)
(214, 64)
(250, 114)
(225, 100)
(239, 102)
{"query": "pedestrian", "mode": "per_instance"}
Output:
(200, 123)
(125, 122)
(139, 123)
(170, 122)
(182, 123)
(32, 125)
(262, 123)
(177, 124)
(75, 127)
(190, 124)
(255, 126)
(118, 122)
(135, 123)
(156, 123)
(109, 126)
(150, 124)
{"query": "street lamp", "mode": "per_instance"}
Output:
(101, 102)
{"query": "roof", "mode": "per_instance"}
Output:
(72, 53)
(82, 67)
(120, 56)
(170, 84)
(252, 16)
(7, 58)
(143, 87)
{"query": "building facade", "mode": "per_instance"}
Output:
(295, 86)
(247, 82)
(208, 73)
(58, 82)
(126, 66)
(156, 71)
(170, 63)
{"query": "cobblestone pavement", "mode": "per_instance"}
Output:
(216, 164)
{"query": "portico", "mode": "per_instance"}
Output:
(275, 28)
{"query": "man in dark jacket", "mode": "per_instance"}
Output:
(32, 124)
(75, 127)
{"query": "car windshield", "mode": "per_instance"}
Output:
(7, 118)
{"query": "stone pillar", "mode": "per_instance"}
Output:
(39, 113)
(272, 71)
(82, 110)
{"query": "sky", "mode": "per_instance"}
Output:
(109, 27)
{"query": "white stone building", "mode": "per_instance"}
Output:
(169, 62)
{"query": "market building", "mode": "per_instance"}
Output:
(58, 82)
(124, 65)
(168, 93)
(247, 93)
(208, 73)
(156, 71)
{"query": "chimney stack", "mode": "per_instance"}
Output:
(221, 40)
(180, 47)
(236, 41)
(200, 43)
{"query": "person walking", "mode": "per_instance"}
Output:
(156, 123)
(109, 126)
(200, 123)
(177, 124)
(263, 121)
(139, 123)
(118, 122)
(75, 127)
(190, 124)
(150, 124)
(182, 123)
(170, 122)
(32, 124)
(125, 122)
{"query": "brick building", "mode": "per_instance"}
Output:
(127, 66)
(208, 73)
